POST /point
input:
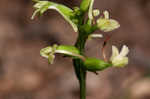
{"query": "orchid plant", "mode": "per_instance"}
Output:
(85, 27)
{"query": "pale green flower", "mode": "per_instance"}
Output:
(106, 24)
(119, 59)
(49, 52)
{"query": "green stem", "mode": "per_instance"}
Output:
(84, 31)
(82, 82)
(78, 65)
(81, 75)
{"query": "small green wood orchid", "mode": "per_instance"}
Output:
(85, 27)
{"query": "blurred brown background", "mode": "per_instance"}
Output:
(24, 74)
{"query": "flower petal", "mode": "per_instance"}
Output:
(115, 52)
(124, 51)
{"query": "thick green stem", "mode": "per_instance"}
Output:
(78, 65)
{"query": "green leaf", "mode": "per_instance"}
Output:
(85, 5)
(94, 64)
(67, 13)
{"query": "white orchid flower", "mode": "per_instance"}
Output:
(119, 59)
(106, 24)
